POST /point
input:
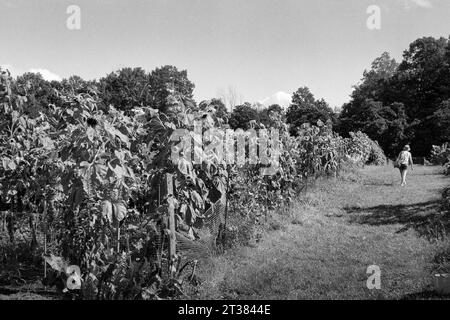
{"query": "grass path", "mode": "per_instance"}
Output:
(323, 248)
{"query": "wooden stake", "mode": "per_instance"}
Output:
(172, 235)
(118, 235)
(45, 239)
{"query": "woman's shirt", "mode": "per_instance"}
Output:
(405, 157)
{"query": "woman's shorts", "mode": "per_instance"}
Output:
(403, 167)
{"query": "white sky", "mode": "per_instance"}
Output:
(258, 46)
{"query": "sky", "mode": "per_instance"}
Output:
(259, 47)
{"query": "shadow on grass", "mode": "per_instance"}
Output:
(426, 295)
(426, 218)
(380, 184)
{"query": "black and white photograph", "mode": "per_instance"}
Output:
(219, 157)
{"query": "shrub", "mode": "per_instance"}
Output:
(363, 150)
(440, 155)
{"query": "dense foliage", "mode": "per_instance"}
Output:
(440, 155)
(407, 102)
(306, 109)
(363, 150)
(86, 179)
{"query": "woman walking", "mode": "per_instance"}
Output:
(403, 160)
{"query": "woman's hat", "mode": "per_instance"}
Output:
(407, 148)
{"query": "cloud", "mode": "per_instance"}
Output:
(423, 3)
(47, 74)
(281, 98)
(420, 3)
(12, 70)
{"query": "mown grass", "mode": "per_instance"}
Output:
(323, 245)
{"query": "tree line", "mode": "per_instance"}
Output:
(394, 103)
(407, 102)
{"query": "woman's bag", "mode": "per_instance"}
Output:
(396, 163)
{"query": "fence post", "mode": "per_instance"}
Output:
(172, 235)
(225, 197)
(45, 238)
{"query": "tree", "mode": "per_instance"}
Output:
(271, 115)
(75, 84)
(39, 92)
(134, 87)
(386, 124)
(231, 97)
(306, 109)
(126, 88)
(423, 76)
(242, 115)
(376, 79)
(440, 123)
(413, 92)
(219, 108)
(275, 108)
(166, 81)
